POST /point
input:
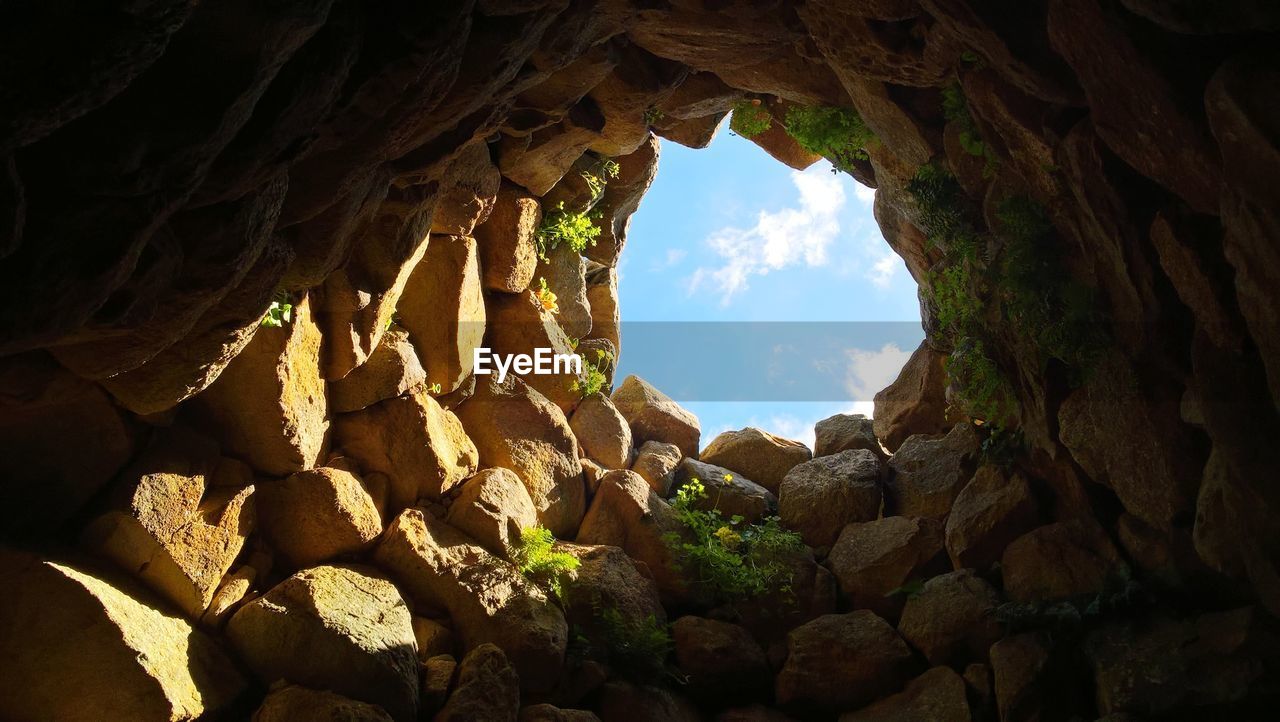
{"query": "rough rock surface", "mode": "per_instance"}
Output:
(443, 309)
(757, 455)
(818, 498)
(722, 660)
(393, 369)
(937, 695)
(602, 432)
(992, 510)
(871, 560)
(952, 618)
(844, 432)
(487, 689)
(655, 417)
(927, 474)
(508, 256)
(731, 494)
(1061, 560)
(842, 661)
(314, 516)
(291, 703)
(493, 507)
(656, 462)
(915, 403)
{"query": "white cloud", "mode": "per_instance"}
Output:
(871, 371)
(883, 270)
(866, 195)
(673, 257)
(779, 239)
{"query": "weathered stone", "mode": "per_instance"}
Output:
(937, 695)
(488, 688)
(392, 370)
(432, 637)
(539, 160)
(730, 494)
(443, 310)
(842, 661)
(753, 713)
(517, 428)
(608, 579)
(487, 599)
(269, 405)
(873, 560)
(1019, 663)
(756, 454)
(508, 255)
(952, 618)
(520, 325)
(845, 432)
(565, 271)
(1061, 560)
(779, 144)
(292, 703)
(422, 448)
(656, 462)
(317, 515)
(818, 498)
(602, 294)
(621, 198)
(342, 628)
(655, 417)
(592, 473)
(492, 508)
(916, 402)
(604, 435)
(550, 713)
(927, 474)
(160, 666)
(627, 702)
(468, 197)
(231, 592)
(992, 510)
(722, 661)
(43, 485)
(437, 679)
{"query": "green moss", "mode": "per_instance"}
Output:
(749, 118)
(593, 379)
(536, 558)
(837, 134)
(561, 226)
(279, 312)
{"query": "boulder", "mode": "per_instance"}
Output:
(730, 494)
(342, 628)
(592, 473)
(916, 402)
(844, 432)
(433, 638)
(520, 325)
(45, 410)
(167, 527)
(468, 194)
(753, 713)
(927, 474)
(1018, 663)
(508, 255)
(487, 689)
(757, 455)
(437, 680)
(937, 695)
(819, 497)
(722, 661)
(91, 649)
(550, 713)
(602, 432)
(1061, 560)
(517, 428)
(269, 406)
(842, 661)
(292, 703)
(487, 599)
(602, 295)
(565, 272)
(656, 463)
(627, 702)
(233, 590)
(779, 144)
(443, 310)
(654, 417)
(952, 618)
(422, 448)
(992, 510)
(392, 370)
(608, 579)
(493, 507)
(316, 515)
(621, 198)
(872, 560)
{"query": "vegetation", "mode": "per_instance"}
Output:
(435, 389)
(1002, 446)
(837, 134)
(560, 226)
(956, 109)
(546, 297)
(1068, 619)
(280, 311)
(638, 648)
(598, 179)
(541, 564)
(653, 116)
(750, 118)
(593, 379)
(734, 560)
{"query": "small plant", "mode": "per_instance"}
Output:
(598, 179)
(735, 560)
(750, 118)
(909, 590)
(986, 392)
(593, 380)
(547, 298)
(653, 116)
(1002, 446)
(837, 134)
(540, 563)
(279, 312)
(638, 648)
(391, 321)
(561, 226)
(435, 389)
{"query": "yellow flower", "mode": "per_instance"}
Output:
(728, 478)
(728, 537)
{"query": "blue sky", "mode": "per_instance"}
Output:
(727, 233)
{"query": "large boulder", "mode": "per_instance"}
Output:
(316, 515)
(393, 369)
(341, 628)
(873, 561)
(602, 432)
(757, 455)
(656, 463)
(722, 661)
(607, 578)
(819, 497)
(927, 474)
(602, 294)
(1061, 560)
(565, 272)
(170, 528)
(421, 448)
(843, 432)
(730, 494)
(292, 703)
(626, 702)
(487, 598)
(842, 661)
(84, 648)
(992, 510)
(493, 507)
(443, 310)
(467, 195)
(937, 695)
(520, 325)
(517, 428)
(916, 402)
(487, 689)
(952, 618)
(1018, 663)
(508, 254)
(655, 417)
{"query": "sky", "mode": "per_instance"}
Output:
(729, 252)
